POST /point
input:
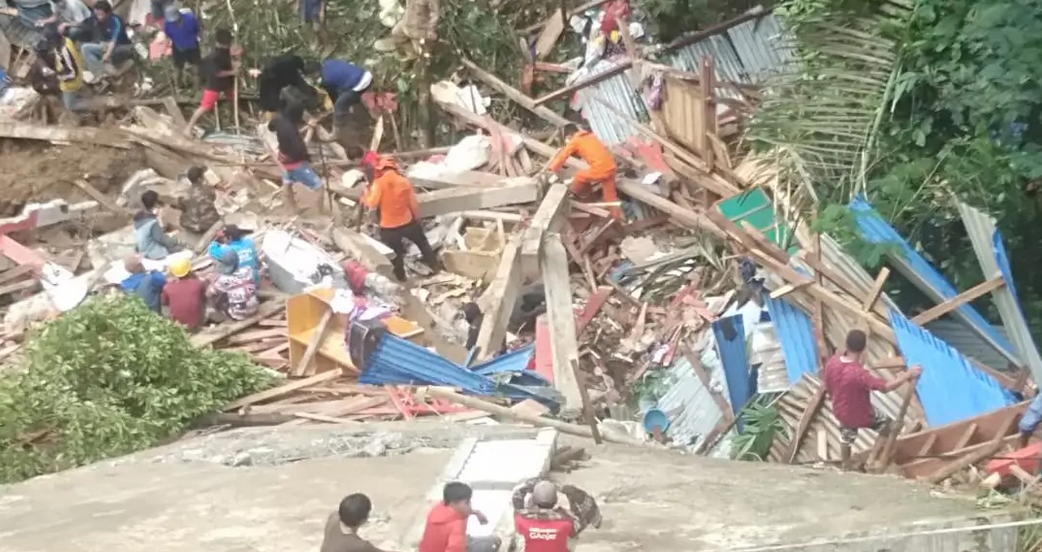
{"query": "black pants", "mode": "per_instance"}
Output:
(395, 239)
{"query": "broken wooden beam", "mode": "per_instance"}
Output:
(561, 317)
(94, 136)
(959, 300)
(455, 200)
(516, 95)
(499, 300)
(689, 218)
(869, 304)
(552, 212)
(357, 247)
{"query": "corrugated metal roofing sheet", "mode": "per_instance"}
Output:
(692, 411)
(796, 334)
(917, 269)
(730, 345)
(791, 407)
(991, 254)
(400, 362)
(514, 361)
(762, 45)
(17, 32)
(618, 92)
(950, 389)
(967, 342)
(728, 66)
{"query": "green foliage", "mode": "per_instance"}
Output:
(668, 19)
(760, 423)
(652, 385)
(108, 378)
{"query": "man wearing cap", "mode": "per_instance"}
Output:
(544, 525)
(235, 239)
(182, 28)
(151, 241)
(198, 209)
(146, 284)
(185, 296)
(233, 292)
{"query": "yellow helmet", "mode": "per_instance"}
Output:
(181, 267)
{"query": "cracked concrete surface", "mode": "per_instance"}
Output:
(188, 497)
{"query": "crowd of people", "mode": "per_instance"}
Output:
(547, 518)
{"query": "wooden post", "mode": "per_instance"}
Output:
(316, 340)
(588, 414)
(887, 454)
(708, 110)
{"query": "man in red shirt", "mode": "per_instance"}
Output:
(446, 527)
(543, 525)
(186, 296)
(850, 385)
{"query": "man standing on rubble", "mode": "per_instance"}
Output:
(112, 46)
(199, 209)
(233, 292)
(44, 81)
(446, 527)
(219, 68)
(590, 149)
(280, 73)
(68, 67)
(152, 242)
(394, 199)
(182, 28)
(237, 240)
(850, 385)
(345, 83)
(294, 156)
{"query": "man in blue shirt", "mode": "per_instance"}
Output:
(146, 284)
(111, 45)
(345, 83)
(183, 30)
(1030, 421)
(236, 239)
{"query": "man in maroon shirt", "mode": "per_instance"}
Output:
(186, 296)
(850, 385)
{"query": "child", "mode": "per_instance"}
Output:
(220, 68)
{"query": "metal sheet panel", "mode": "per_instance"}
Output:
(763, 46)
(400, 362)
(514, 361)
(967, 342)
(617, 92)
(728, 67)
(931, 282)
(994, 262)
(950, 389)
(730, 345)
(17, 32)
(692, 411)
(796, 334)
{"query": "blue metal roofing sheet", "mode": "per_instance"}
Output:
(400, 362)
(514, 361)
(876, 230)
(796, 335)
(730, 344)
(950, 389)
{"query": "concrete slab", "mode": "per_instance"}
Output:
(188, 498)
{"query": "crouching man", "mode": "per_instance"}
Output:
(544, 523)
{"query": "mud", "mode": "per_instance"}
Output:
(42, 172)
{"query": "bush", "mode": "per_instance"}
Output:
(108, 378)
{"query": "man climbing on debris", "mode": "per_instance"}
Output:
(345, 83)
(219, 68)
(199, 208)
(446, 527)
(394, 199)
(151, 241)
(590, 149)
(237, 240)
(44, 80)
(341, 532)
(543, 523)
(282, 73)
(110, 45)
(234, 293)
(68, 67)
(850, 385)
(146, 284)
(185, 296)
(70, 17)
(293, 152)
(183, 30)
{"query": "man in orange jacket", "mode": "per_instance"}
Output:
(587, 147)
(394, 199)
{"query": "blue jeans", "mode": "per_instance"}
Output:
(94, 54)
(303, 174)
(73, 102)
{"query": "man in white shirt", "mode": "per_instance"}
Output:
(71, 17)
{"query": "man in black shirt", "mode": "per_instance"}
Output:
(281, 77)
(219, 70)
(293, 152)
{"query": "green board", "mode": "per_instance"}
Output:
(755, 209)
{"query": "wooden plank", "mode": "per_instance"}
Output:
(516, 95)
(283, 390)
(258, 335)
(809, 413)
(267, 310)
(561, 317)
(887, 451)
(587, 405)
(548, 218)
(703, 376)
(18, 286)
(823, 445)
(93, 136)
(304, 365)
(454, 200)
(876, 290)
(16, 272)
(175, 112)
(499, 300)
(959, 300)
(967, 436)
(787, 289)
(927, 447)
(358, 248)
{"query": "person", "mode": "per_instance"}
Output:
(183, 30)
(44, 80)
(157, 12)
(394, 198)
(112, 44)
(185, 296)
(543, 525)
(68, 67)
(341, 531)
(233, 291)
(344, 83)
(849, 385)
(1030, 421)
(313, 12)
(199, 209)
(152, 242)
(146, 284)
(446, 527)
(235, 239)
(589, 148)
(293, 152)
(220, 68)
(280, 73)
(71, 18)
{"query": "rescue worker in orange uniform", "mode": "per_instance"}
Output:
(587, 147)
(394, 199)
